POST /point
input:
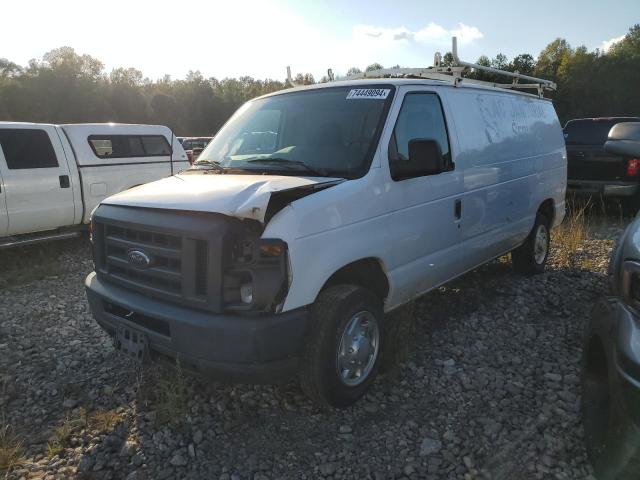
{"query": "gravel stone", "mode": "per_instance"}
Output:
(429, 446)
(490, 387)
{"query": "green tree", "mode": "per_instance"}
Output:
(374, 66)
(523, 63)
(552, 57)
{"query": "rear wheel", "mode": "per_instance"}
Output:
(342, 354)
(531, 257)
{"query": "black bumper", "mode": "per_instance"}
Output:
(627, 358)
(238, 348)
(605, 188)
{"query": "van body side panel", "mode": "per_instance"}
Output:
(349, 221)
(512, 150)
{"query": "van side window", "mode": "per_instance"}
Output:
(420, 116)
(127, 146)
(27, 148)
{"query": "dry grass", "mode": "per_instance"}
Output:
(101, 420)
(104, 420)
(11, 452)
(570, 236)
(62, 435)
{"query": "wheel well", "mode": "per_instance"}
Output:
(366, 272)
(548, 209)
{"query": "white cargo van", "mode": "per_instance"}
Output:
(53, 176)
(316, 211)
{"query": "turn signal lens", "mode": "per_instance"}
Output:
(271, 249)
(633, 166)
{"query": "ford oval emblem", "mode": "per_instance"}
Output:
(138, 258)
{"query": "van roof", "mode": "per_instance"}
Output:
(362, 83)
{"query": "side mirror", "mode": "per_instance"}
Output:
(425, 158)
(624, 139)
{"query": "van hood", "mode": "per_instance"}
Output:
(241, 196)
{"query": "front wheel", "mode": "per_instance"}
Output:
(342, 353)
(531, 257)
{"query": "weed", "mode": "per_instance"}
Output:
(166, 393)
(11, 453)
(570, 236)
(103, 420)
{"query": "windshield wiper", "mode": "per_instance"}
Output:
(284, 161)
(209, 163)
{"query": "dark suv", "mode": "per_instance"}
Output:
(611, 355)
(591, 170)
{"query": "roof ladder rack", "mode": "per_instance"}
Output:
(455, 74)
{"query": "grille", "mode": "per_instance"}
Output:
(163, 275)
(176, 257)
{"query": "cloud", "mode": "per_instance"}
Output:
(430, 34)
(607, 44)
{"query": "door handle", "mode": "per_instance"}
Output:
(458, 209)
(64, 181)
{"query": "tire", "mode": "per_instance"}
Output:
(528, 259)
(610, 438)
(337, 308)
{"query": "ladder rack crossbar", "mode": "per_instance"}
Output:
(454, 74)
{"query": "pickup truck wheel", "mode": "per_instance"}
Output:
(530, 257)
(342, 352)
(610, 437)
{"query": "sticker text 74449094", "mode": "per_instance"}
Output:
(368, 93)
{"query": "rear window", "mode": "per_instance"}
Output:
(27, 148)
(126, 146)
(590, 132)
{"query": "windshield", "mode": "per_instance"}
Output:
(591, 132)
(323, 132)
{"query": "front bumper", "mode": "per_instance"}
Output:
(627, 358)
(604, 188)
(238, 348)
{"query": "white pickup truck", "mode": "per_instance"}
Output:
(53, 176)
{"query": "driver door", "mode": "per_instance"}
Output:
(427, 209)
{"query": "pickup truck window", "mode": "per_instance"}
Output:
(326, 132)
(27, 148)
(421, 116)
(591, 131)
(127, 146)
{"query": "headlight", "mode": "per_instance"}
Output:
(257, 278)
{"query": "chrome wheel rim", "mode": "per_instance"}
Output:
(541, 244)
(358, 349)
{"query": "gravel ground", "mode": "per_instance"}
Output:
(490, 388)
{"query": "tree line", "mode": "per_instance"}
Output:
(65, 87)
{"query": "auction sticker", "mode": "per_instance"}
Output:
(368, 93)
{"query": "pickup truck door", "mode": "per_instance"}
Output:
(4, 217)
(37, 182)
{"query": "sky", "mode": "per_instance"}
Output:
(261, 37)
